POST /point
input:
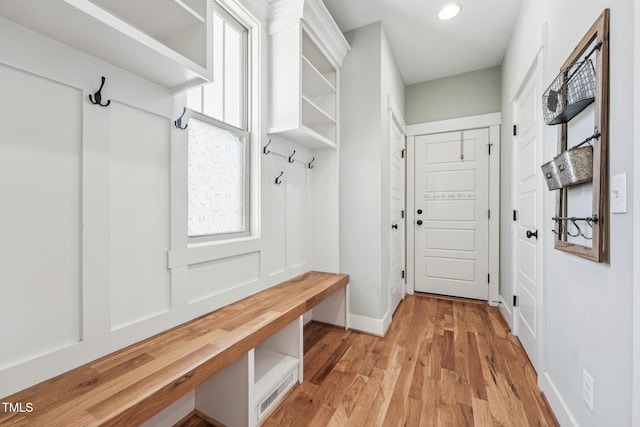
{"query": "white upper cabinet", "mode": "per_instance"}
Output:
(165, 41)
(307, 50)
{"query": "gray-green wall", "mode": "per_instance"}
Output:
(468, 94)
(369, 75)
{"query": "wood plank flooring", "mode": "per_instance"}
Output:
(443, 363)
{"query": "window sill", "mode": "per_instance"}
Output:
(221, 239)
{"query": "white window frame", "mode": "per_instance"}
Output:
(245, 94)
(187, 251)
(238, 17)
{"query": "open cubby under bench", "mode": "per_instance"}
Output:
(221, 362)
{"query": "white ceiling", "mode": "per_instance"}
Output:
(426, 48)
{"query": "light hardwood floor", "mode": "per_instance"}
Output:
(444, 362)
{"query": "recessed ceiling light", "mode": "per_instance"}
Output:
(449, 11)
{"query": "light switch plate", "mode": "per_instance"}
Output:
(619, 194)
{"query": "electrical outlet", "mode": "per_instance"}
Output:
(587, 389)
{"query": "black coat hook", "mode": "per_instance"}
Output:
(96, 99)
(266, 150)
(278, 180)
(310, 165)
(178, 123)
(291, 156)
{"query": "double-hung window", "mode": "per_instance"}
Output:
(219, 143)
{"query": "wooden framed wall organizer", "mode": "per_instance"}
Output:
(578, 101)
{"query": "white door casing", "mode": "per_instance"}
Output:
(451, 207)
(527, 202)
(396, 208)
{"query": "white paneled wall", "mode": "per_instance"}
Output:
(140, 222)
(273, 214)
(212, 278)
(288, 214)
(93, 252)
(296, 214)
(40, 211)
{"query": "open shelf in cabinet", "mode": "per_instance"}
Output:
(306, 112)
(312, 53)
(165, 41)
(178, 24)
(313, 115)
(313, 139)
(275, 374)
(277, 367)
(314, 83)
(319, 93)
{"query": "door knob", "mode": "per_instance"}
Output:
(419, 222)
(419, 211)
(394, 226)
(531, 234)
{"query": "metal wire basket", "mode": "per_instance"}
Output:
(569, 93)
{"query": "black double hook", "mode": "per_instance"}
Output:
(96, 99)
(265, 149)
(278, 180)
(291, 156)
(310, 165)
(178, 123)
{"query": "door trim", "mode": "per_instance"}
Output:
(537, 68)
(492, 122)
(535, 62)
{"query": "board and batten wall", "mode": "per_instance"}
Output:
(587, 306)
(369, 75)
(91, 261)
(468, 94)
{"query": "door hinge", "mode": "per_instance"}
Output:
(490, 145)
(404, 150)
(489, 278)
(401, 214)
(489, 214)
(515, 215)
(403, 274)
(515, 301)
(515, 130)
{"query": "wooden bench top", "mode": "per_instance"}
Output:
(133, 384)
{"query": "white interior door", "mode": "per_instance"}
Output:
(396, 213)
(452, 213)
(527, 202)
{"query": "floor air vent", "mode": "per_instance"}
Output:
(284, 385)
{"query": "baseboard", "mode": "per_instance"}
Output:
(506, 312)
(370, 325)
(386, 321)
(559, 407)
